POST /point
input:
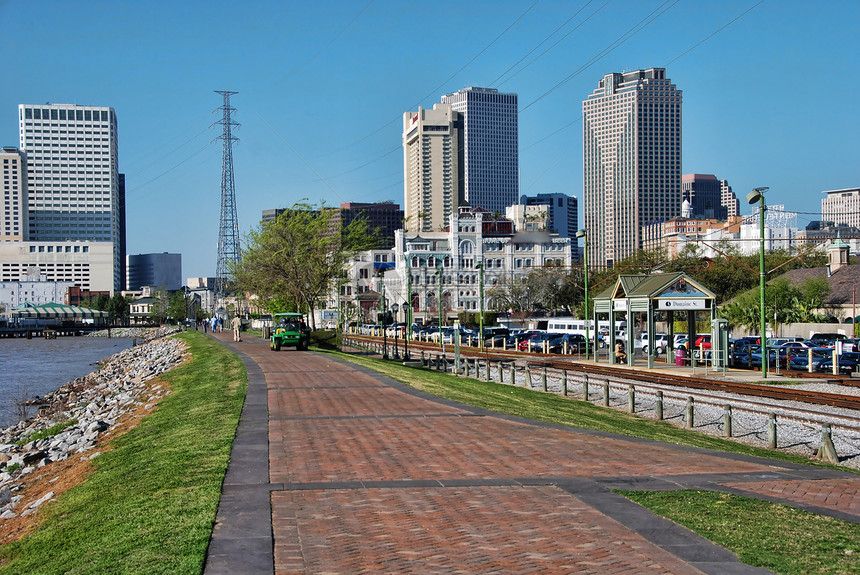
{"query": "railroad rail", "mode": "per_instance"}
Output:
(648, 376)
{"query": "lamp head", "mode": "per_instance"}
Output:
(756, 195)
(581, 234)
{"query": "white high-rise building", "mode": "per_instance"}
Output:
(841, 207)
(490, 153)
(73, 180)
(631, 160)
(431, 165)
(13, 225)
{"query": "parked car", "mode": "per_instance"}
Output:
(742, 352)
(820, 338)
(850, 345)
(703, 342)
(575, 343)
(536, 344)
(491, 333)
(801, 360)
(661, 342)
(848, 363)
(788, 350)
(520, 339)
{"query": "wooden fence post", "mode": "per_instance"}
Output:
(771, 431)
(690, 412)
(585, 386)
(543, 379)
(606, 392)
(827, 451)
(727, 421)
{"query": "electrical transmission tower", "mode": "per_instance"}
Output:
(228, 231)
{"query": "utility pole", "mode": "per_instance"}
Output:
(228, 229)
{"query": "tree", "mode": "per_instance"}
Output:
(177, 307)
(784, 304)
(160, 304)
(298, 257)
(117, 309)
(102, 302)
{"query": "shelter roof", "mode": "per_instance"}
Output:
(58, 311)
(655, 286)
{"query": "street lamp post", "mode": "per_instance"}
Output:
(383, 309)
(757, 195)
(439, 276)
(408, 312)
(395, 308)
(480, 267)
(853, 304)
(584, 234)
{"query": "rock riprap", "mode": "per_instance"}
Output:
(71, 419)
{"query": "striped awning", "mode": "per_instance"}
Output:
(57, 311)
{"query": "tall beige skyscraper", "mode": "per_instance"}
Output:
(631, 160)
(431, 139)
(13, 225)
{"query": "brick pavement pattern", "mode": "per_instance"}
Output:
(365, 477)
(836, 494)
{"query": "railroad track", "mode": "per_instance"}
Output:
(652, 377)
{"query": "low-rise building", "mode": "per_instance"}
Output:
(35, 292)
(87, 264)
(440, 273)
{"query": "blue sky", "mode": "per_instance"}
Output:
(770, 100)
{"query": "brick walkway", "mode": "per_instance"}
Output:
(366, 475)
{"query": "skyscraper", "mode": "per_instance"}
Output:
(73, 180)
(13, 226)
(631, 160)
(490, 154)
(431, 167)
(704, 193)
(729, 200)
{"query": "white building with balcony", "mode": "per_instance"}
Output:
(441, 270)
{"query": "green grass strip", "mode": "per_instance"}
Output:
(783, 539)
(552, 408)
(150, 505)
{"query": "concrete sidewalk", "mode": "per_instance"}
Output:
(337, 469)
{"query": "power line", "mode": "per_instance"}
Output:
(714, 33)
(436, 90)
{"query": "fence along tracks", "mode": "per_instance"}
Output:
(653, 377)
(692, 402)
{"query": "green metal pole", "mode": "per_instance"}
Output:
(762, 210)
(587, 319)
(408, 308)
(481, 298)
(441, 342)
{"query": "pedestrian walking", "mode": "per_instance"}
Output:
(236, 324)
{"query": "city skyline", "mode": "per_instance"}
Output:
(321, 90)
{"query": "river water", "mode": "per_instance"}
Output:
(36, 366)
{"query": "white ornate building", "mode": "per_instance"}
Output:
(444, 266)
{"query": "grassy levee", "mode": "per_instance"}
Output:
(150, 504)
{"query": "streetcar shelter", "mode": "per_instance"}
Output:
(650, 299)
